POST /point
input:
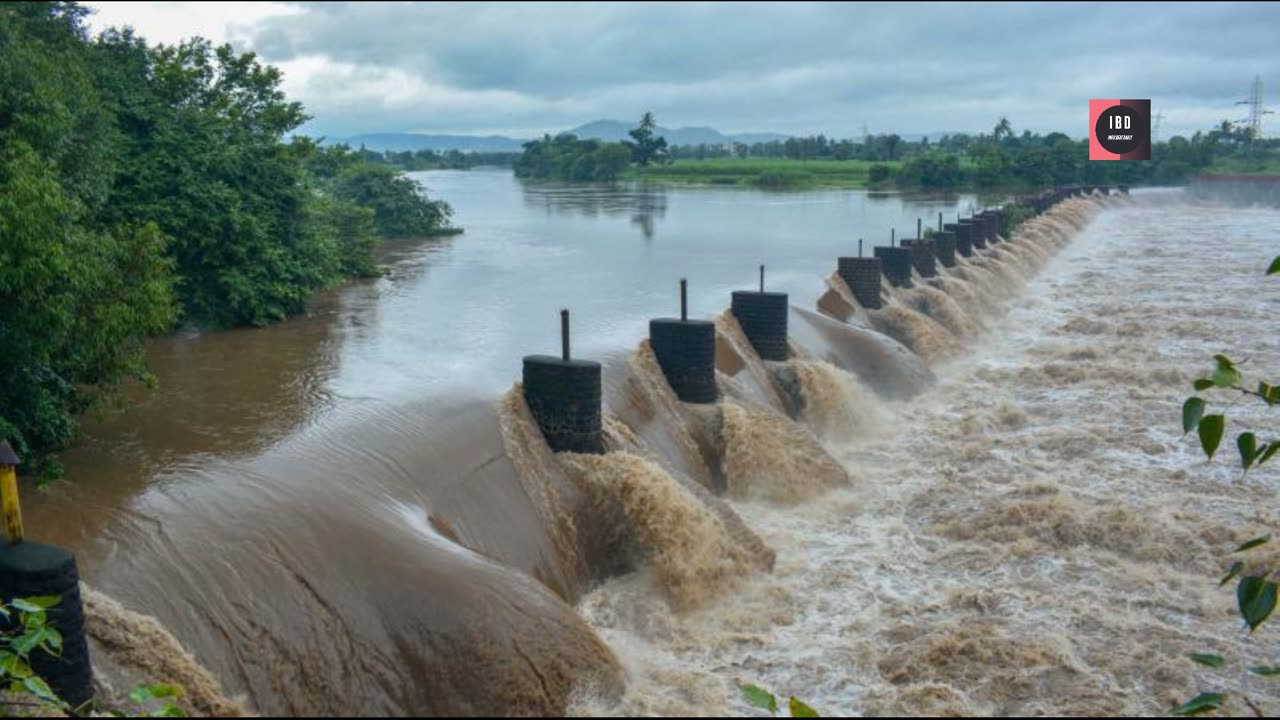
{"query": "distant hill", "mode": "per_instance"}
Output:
(614, 131)
(607, 130)
(399, 142)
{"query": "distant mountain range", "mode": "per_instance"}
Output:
(607, 130)
(399, 142)
(614, 131)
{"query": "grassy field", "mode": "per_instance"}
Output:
(762, 172)
(1245, 166)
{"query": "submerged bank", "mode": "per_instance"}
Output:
(884, 553)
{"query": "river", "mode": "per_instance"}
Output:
(349, 512)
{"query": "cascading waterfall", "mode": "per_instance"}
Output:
(942, 643)
(945, 310)
(690, 551)
(838, 407)
(769, 457)
(926, 337)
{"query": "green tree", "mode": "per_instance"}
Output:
(138, 182)
(565, 157)
(1003, 130)
(78, 296)
(400, 210)
(645, 148)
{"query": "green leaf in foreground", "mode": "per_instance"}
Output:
(13, 666)
(1208, 660)
(161, 692)
(759, 697)
(1275, 266)
(35, 605)
(1267, 452)
(1236, 569)
(1255, 543)
(1192, 411)
(1256, 598)
(37, 687)
(1200, 704)
(1225, 377)
(1247, 442)
(1266, 670)
(1202, 384)
(1211, 427)
(800, 710)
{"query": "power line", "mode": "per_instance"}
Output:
(1256, 109)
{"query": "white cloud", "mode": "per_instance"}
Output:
(170, 22)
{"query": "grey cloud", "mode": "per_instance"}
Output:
(795, 67)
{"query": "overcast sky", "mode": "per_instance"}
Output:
(524, 68)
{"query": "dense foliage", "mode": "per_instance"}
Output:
(416, 160)
(140, 186)
(1004, 159)
(565, 157)
(399, 209)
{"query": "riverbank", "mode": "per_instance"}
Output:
(768, 173)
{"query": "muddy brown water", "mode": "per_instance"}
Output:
(352, 512)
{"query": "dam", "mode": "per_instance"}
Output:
(973, 498)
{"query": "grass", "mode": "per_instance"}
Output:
(773, 173)
(1268, 165)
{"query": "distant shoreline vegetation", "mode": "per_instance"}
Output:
(1000, 160)
(419, 160)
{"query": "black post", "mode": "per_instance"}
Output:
(34, 570)
(939, 222)
(919, 229)
(564, 397)
(564, 335)
(895, 262)
(686, 352)
(761, 278)
(892, 239)
(859, 247)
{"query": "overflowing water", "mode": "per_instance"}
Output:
(975, 500)
(1030, 536)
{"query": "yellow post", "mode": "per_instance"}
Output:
(9, 494)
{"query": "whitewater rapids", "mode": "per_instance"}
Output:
(1032, 535)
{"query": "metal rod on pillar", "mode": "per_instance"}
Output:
(564, 335)
(859, 247)
(919, 228)
(892, 236)
(684, 299)
(761, 278)
(939, 222)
